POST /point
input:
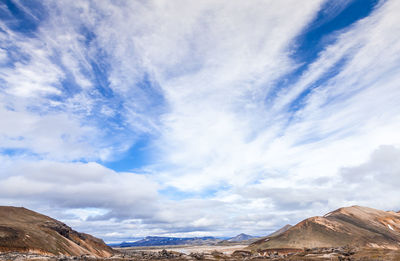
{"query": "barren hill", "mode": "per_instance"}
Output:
(240, 237)
(280, 231)
(352, 226)
(23, 230)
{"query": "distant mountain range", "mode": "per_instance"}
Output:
(169, 241)
(240, 237)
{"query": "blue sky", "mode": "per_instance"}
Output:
(208, 118)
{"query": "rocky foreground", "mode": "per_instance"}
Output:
(340, 253)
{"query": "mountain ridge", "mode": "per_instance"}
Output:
(280, 231)
(169, 241)
(23, 230)
(240, 237)
(354, 226)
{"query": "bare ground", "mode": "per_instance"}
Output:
(227, 250)
(223, 253)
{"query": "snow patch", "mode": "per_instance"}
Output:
(390, 227)
(327, 215)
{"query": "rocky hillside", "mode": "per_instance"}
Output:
(23, 230)
(280, 231)
(351, 226)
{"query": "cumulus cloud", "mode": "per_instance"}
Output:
(79, 185)
(380, 174)
(55, 135)
(382, 167)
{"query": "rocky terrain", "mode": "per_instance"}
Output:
(338, 253)
(352, 226)
(23, 230)
(352, 233)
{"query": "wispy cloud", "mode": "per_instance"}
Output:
(248, 111)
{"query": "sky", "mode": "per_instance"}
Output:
(127, 119)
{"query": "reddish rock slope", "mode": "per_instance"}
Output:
(24, 230)
(351, 226)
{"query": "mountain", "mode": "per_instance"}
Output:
(240, 237)
(280, 231)
(349, 226)
(167, 241)
(23, 230)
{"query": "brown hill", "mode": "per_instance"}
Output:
(280, 231)
(23, 230)
(351, 226)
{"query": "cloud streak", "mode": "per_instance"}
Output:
(245, 123)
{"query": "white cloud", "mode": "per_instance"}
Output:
(211, 137)
(380, 174)
(54, 135)
(198, 77)
(78, 185)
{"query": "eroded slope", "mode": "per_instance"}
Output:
(24, 230)
(352, 226)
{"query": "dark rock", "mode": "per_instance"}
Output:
(197, 256)
(241, 253)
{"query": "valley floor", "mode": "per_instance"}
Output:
(226, 253)
(187, 249)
